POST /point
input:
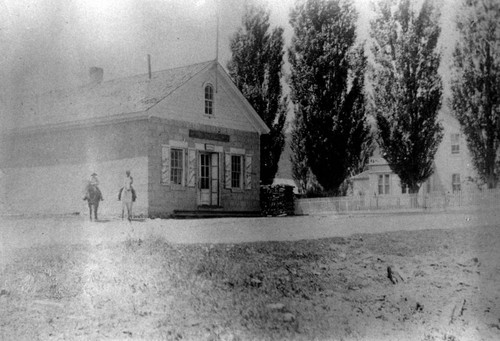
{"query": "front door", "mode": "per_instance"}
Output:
(208, 183)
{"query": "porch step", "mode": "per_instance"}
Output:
(202, 214)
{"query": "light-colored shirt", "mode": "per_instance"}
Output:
(127, 183)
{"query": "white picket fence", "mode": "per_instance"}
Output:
(405, 202)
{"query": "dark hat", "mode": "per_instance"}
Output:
(93, 174)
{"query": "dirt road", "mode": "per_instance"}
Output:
(19, 232)
(108, 280)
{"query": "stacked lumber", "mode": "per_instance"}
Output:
(277, 200)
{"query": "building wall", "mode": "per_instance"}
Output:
(440, 181)
(361, 187)
(187, 104)
(448, 163)
(184, 110)
(45, 171)
(164, 199)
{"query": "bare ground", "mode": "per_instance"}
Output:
(144, 286)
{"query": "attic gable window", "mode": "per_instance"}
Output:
(209, 100)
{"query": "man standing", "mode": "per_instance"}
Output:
(127, 195)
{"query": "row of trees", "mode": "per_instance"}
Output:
(256, 68)
(335, 90)
(476, 85)
(327, 89)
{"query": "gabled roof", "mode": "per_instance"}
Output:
(361, 176)
(129, 95)
(256, 121)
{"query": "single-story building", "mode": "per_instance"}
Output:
(188, 136)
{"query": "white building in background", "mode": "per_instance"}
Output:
(453, 169)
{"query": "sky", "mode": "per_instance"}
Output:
(51, 44)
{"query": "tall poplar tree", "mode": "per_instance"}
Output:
(256, 68)
(476, 85)
(298, 158)
(407, 88)
(327, 88)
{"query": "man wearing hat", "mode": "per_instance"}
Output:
(93, 179)
(93, 195)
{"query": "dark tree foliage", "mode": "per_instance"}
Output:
(327, 88)
(476, 85)
(298, 158)
(407, 88)
(256, 68)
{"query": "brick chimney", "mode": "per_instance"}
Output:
(96, 75)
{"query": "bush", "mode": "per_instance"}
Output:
(277, 200)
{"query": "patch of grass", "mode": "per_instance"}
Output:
(152, 289)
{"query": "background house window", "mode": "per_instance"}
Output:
(236, 173)
(455, 143)
(176, 166)
(209, 100)
(383, 184)
(455, 182)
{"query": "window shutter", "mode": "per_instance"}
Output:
(191, 168)
(165, 164)
(228, 170)
(248, 171)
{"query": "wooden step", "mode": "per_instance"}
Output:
(216, 213)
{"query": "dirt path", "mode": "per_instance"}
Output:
(333, 288)
(19, 233)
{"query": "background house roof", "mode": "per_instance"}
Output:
(361, 176)
(98, 100)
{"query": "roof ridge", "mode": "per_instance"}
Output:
(110, 81)
(159, 71)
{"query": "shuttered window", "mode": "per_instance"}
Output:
(236, 171)
(227, 171)
(165, 165)
(191, 182)
(173, 165)
(176, 166)
(248, 171)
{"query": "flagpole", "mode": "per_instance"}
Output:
(216, 43)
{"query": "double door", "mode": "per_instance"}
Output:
(208, 179)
